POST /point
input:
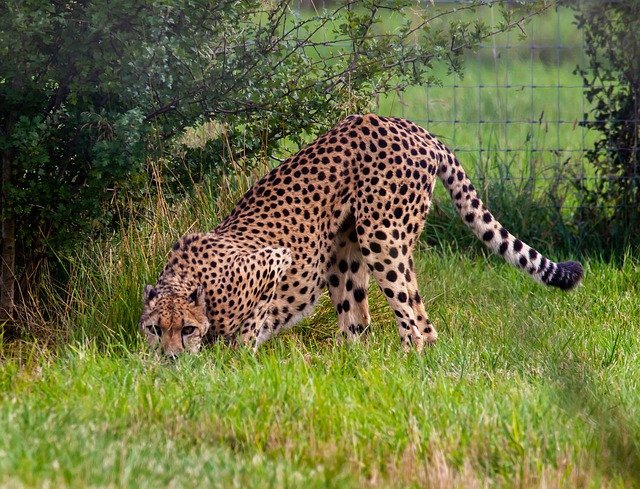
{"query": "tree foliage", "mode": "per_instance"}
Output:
(612, 79)
(90, 92)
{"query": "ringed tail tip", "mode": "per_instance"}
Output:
(567, 275)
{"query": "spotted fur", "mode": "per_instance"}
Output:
(349, 206)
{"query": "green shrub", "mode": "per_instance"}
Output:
(610, 201)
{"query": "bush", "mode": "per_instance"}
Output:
(609, 207)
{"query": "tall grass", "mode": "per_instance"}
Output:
(100, 299)
(526, 387)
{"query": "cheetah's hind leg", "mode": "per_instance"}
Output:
(390, 262)
(348, 281)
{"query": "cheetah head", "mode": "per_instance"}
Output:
(174, 323)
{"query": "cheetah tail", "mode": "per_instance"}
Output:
(565, 275)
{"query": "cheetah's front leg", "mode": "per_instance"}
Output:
(253, 326)
(267, 266)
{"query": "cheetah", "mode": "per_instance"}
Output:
(349, 206)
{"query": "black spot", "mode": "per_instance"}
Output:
(402, 297)
(523, 261)
(375, 247)
(343, 266)
(388, 292)
(486, 217)
(517, 245)
(152, 294)
(503, 247)
(359, 294)
(334, 280)
(549, 272)
(487, 236)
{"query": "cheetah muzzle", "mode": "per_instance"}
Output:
(349, 206)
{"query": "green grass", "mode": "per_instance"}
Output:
(527, 386)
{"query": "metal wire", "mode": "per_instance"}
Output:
(504, 116)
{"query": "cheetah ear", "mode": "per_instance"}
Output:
(149, 294)
(198, 296)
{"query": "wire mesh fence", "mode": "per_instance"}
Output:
(519, 107)
(520, 114)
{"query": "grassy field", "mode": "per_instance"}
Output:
(527, 386)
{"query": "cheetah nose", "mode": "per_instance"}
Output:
(171, 355)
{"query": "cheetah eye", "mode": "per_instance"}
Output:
(154, 329)
(187, 330)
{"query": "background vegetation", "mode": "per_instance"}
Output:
(526, 387)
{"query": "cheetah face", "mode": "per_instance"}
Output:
(173, 323)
